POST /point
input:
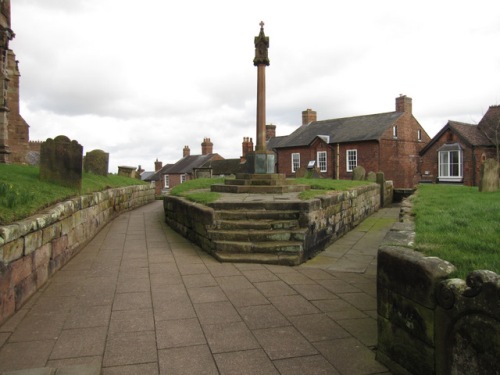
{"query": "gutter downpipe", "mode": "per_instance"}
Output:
(337, 162)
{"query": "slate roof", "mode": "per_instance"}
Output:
(490, 123)
(147, 176)
(157, 174)
(342, 130)
(470, 133)
(223, 167)
(187, 163)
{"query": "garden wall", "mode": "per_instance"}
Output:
(33, 249)
(429, 323)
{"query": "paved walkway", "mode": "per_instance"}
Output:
(140, 299)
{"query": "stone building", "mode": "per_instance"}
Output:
(15, 146)
(456, 152)
(388, 142)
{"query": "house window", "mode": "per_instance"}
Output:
(394, 132)
(295, 162)
(419, 134)
(183, 178)
(166, 180)
(321, 158)
(450, 163)
(351, 159)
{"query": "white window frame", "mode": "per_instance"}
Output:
(183, 178)
(449, 170)
(166, 181)
(351, 160)
(322, 160)
(295, 161)
(419, 135)
(395, 132)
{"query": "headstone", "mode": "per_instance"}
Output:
(96, 162)
(488, 180)
(371, 177)
(358, 173)
(61, 162)
(301, 172)
(126, 171)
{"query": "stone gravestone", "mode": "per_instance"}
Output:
(96, 162)
(488, 180)
(61, 162)
(358, 173)
(371, 177)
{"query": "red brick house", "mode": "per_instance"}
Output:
(389, 142)
(172, 175)
(456, 152)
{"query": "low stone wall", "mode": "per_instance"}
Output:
(326, 218)
(427, 322)
(33, 249)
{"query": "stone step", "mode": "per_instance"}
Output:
(274, 247)
(258, 236)
(262, 206)
(258, 189)
(262, 224)
(285, 259)
(264, 215)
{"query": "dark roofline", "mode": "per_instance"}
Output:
(449, 125)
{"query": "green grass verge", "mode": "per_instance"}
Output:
(22, 194)
(459, 224)
(197, 190)
(320, 186)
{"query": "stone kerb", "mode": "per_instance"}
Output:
(33, 249)
(427, 322)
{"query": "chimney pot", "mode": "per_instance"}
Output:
(404, 104)
(308, 116)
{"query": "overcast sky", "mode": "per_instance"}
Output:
(141, 79)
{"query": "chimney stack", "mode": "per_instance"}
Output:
(308, 116)
(158, 165)
(186, 151)
(403, 104)
(247, 147)
(207, 147)
(270, 131)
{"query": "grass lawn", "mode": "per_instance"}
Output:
(459, 224)
(22, 193)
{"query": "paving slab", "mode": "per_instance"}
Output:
(141, 299)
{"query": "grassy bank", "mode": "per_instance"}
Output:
(22, 193)
(197, 190)
(460, 225)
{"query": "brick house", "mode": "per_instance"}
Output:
(456, 152)
(171, 175)
(389, 142)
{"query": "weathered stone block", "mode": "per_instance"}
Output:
(59, 245)
(13, 250)
(411, 274)
(21, 269)
(32, 241)
(51, 232)
(415, 356)
(42, 255)
(488, 181)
